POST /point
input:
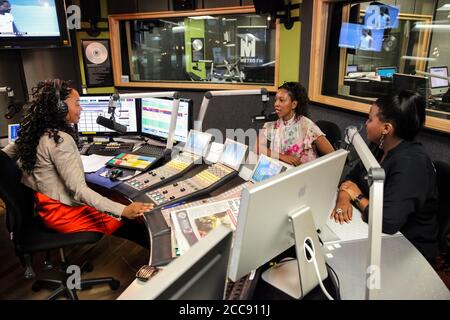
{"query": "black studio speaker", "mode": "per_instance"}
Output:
(90, 11)
(183, 5)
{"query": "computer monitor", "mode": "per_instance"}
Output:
(13, 132)
(438, 86)
(198, 142)
(386, 72)
(352, 68)
(266, 168)
(200, 273)
(156, 114)
(356, 36)
(410, 82)
(381, 16)
(233, 154)
(271, 210)
(94, 106)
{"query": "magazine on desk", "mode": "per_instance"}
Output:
(193, 223)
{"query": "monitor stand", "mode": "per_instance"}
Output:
(297, 277)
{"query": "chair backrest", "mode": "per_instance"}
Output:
(332, 131)
(443, 184)
(18, 198)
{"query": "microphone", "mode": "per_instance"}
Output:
(273, 116)
(111, 124)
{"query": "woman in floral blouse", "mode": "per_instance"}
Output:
(293, 138)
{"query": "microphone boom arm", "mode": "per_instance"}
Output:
(376, 177)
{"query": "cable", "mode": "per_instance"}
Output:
(337, 284)
(316, 267)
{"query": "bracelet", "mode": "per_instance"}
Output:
(358, 198)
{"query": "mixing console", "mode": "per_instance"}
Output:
(202, 183)
(176, 167)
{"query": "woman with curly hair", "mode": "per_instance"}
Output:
(48, 156)
(293, 138)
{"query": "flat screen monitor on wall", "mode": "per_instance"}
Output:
(156, 114)
(94, 106)
(33, 23)
(381, 16)
(357, 36)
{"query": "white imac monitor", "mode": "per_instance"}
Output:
(197, 142)
(298, 200)
(438, 86)
(200, 273)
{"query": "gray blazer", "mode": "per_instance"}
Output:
(59, 174)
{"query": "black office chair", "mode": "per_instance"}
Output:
(332, 132)
(443, 184)
(29, 235)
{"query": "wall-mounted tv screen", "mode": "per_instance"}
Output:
(381, 16)
(357, 36)
(32, 23)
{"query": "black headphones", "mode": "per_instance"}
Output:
(61, 107)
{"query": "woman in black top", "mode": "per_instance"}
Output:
(410, 200)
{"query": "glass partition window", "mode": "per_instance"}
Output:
(374, 49)
(219, 49)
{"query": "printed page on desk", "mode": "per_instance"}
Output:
(194, 223)
(355, 230)
(94, 162)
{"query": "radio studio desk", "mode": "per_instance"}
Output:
(405, 274)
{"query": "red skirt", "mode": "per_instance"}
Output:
(67, 219)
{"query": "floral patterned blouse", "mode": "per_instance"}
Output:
(293, 137)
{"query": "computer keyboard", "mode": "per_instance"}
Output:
(110, 149)
(149, 150)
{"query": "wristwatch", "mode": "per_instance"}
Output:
(358, 198)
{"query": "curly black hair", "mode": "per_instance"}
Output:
(298, 93)
(43, 116)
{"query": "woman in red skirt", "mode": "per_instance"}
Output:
(52, 166)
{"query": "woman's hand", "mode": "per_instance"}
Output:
(351, 188)
(343, 211)
(290, 159)
(136, 209)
